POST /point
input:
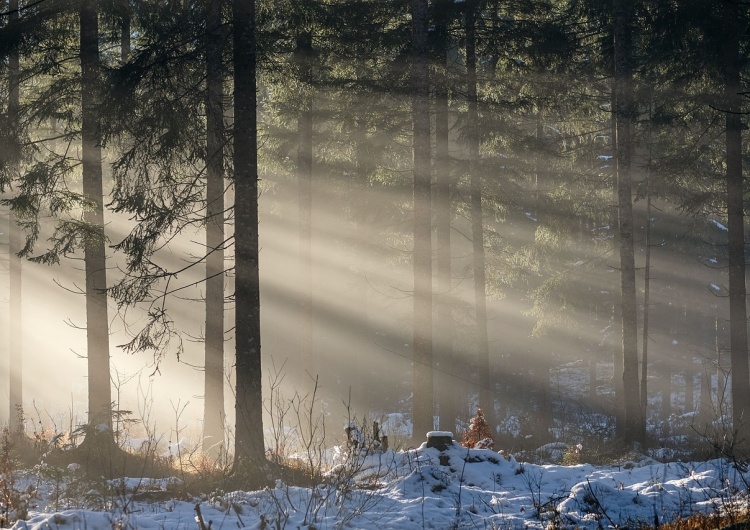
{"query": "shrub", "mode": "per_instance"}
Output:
(479, 435)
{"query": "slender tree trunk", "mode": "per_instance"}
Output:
(687, 360)
(304, 180)
(422, 406)
(213, 404)
(666, 400)
(721, 373)
(444, 329)
(544, 362)
(646, 300)
(97, 330)
(125, 30)
(616, 336)
(486, 399)
(363, 236)
(15, 244)
(736, 219)
(624, 112)
(249, 452)
(646, 309)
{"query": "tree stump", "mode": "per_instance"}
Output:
(440, 440)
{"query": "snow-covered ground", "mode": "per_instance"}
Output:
(416, 489)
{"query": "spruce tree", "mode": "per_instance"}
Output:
(249, 449)
(214, 415)
(443, 338)
(97, 323)
(422, 404)
(15, 241)
(624, 114)
(735, 193)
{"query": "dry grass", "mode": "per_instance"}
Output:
(710, 522)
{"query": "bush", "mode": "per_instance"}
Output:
(479, 435)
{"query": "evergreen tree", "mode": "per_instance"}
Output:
(477, 217)
(735, 194)
(624, 115)
(444, 324)
(304, 58)
(97, 323)
(15, 241)
(213, 407)
(422, 404)
(249, 450)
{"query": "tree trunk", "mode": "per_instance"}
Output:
(624, 112)
(97, 335)
(362, 383)
(15, 244)
(615, 339)
(486, 399)
(646, 309)
(422, 406)
(125, 30)
(722, 373)
(304, 179)
(213, 405)
(735, 217)
(444, 329)
(666, 399)
(249, 452)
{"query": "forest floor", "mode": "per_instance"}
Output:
(379, 489)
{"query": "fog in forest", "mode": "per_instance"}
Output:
(550, 357)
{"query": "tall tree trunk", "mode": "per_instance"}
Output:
(646, 309)
(363, 237)
(422, 405)
(444, 329)
(304, 179)
(736, 219)
(486, 398)
(97, 331)
(624, 112)
(721, 372)
(213, 403)
(615, 340)
(249, 451)
(15, 244)
(125, 30)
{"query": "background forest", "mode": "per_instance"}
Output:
(419, 208)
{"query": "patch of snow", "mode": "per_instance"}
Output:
(439, 434)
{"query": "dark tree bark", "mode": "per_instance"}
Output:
(616, 335)
(646, 309)
(304, 58)
(125, 30)
(97, 331)
(249, 452)
(486, 399)
(735, 224)
(721, 372)
(213, 405)
(444, 330)
(422, 406)
(624, 112)
(15, 244)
